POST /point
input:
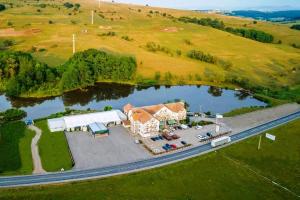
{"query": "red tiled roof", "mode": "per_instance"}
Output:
(175, 107)
(127, 107)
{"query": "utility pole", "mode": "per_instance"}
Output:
(92, 21)
(74, 44)
(259, 142)
(99, 3)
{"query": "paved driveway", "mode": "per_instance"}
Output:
(118, 148)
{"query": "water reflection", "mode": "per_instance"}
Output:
(212, 99)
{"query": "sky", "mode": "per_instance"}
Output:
(266, 5)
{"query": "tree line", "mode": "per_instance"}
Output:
(252, 34)
(295, 26)
(21, 73)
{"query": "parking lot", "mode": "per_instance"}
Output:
(188, 137)
(118, 148)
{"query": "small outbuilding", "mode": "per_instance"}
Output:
(98, 129)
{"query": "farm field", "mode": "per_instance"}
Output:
(46, 32)
(237, 171)
(15, 153)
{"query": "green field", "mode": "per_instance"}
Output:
(239, 171)
(240, 111)
(15, 153)
(271, 65)
(53, 149)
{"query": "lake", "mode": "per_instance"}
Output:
(206, 98)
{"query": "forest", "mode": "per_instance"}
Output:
(22, 74)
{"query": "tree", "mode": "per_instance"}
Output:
(13, 115)
(108, 108)
(157, 76)
(2, 7)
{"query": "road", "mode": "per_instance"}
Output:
(66, 176)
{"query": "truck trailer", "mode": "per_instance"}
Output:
(220, 141)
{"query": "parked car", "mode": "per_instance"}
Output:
(165, 148)
(184, 143)
(198, 127)
(183, 126)
(160, 137)
(209, 134)
(202, 137)
(175, 137)
(173, 146)
(167, 136)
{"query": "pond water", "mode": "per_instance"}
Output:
(206, 98)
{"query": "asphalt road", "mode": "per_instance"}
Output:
(28, 180)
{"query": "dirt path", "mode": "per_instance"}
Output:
(37, 164)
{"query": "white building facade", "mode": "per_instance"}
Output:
(145, 121)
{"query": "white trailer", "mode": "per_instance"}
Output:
(220, 141)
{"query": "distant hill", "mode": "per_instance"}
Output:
(269, 16)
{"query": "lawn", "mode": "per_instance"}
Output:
(53, 149)
(15, 152)
(235, 172)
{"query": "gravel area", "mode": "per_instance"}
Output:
(250, 120)
(117, 148)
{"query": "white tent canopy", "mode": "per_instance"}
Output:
(80, 121)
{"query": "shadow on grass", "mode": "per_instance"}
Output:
(10, 155)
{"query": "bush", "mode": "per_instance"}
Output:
(199, 55)
(108, 108)
(6, 44)
(2, 7)
(127, 38)
(157, 76)
(153, 47)
(13, 115)
(295, 26)
(68, 5)
(110, 33)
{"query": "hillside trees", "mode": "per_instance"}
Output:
(252, 34)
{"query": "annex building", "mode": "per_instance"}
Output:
(146, 120)
(96, 123)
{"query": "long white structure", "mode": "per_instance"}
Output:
(81, 122)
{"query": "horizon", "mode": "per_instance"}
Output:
(265, 5)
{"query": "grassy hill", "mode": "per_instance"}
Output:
(45, 28)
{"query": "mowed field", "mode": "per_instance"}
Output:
(53, 149)
(265, 64)
(239, 171)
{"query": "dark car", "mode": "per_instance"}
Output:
(209, 134)
(160, 137)
(153, 139)
(165, 148)
(183, 142)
